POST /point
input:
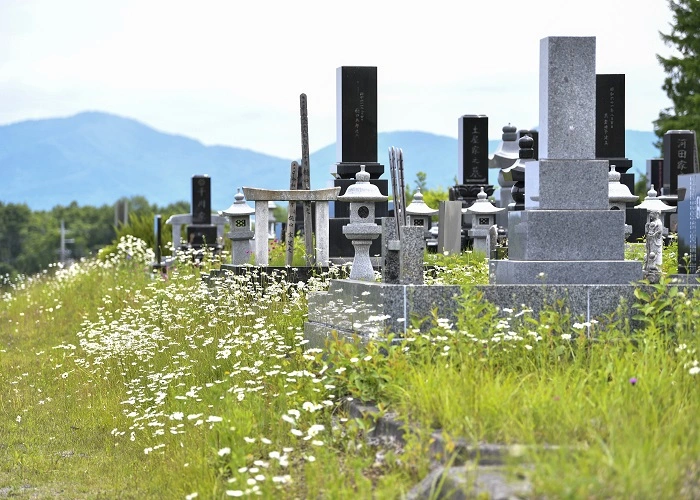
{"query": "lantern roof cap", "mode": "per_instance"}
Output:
(653, 204)
(418, 206)
(618, 192)
(482, 206)
(238, 208)
(362, 191)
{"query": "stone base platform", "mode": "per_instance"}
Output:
(372, 310)
(582, 272)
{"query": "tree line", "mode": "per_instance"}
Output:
(30, 240)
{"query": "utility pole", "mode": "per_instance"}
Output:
(63, 252)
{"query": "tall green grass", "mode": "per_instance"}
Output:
(118, 383)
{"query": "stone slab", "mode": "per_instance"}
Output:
(610, 116)
(534, 272)
(563, 235)
(450, 228)
(532, 185)
(391, 257)
(491, 482)
(201, 199)
(348, 169)
(356, 114)
(472, 152)
(347, 308)
(257, 194)
(567, 98)
(689, 224)
(412, 253)
(573, 184)
(375, 309)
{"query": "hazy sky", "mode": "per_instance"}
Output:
(230, 72)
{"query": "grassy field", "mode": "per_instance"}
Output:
(120, 384)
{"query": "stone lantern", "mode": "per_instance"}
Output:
(619, 196)
(483, 217)
(271, 205)
(239, 218)
(653, 203)
(418, 213)
(362, 229)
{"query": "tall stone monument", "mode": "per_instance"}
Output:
(610, 125)
(571, 237)
(679, 158)
(473, 169)
(356, 144)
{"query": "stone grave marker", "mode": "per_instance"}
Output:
(610, 125)
(450, 227)
(572, 238)
(202, 229)
(356, 144)
(157, 233)
(473, 152)
(201, 232)
(201, 199)
(679, 158)
(689, 224)
(655, 172)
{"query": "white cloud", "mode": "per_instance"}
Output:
(230, 72)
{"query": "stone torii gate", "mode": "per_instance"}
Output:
(261, 197)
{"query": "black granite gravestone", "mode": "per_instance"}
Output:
(201, 199)
(610, 125)
(157, 226)
(679, 158)
(610, 116)
(199, 236)
(473, 149)
(655, 173)
(356, 131)
(688, 224)
(356, 144)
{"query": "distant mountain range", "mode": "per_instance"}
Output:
(96, 158)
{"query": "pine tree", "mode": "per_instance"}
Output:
(682, 85)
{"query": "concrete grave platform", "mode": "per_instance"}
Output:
(371, 310)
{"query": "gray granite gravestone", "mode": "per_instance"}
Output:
(689, 224)
(572, 237)
(450, 228)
